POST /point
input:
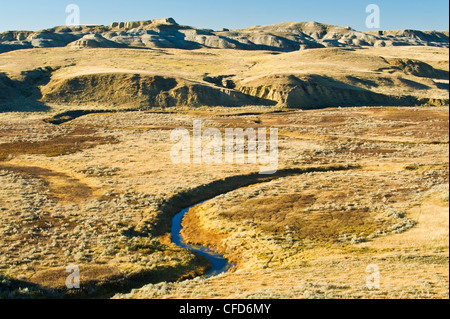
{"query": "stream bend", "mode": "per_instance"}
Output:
(219, 264)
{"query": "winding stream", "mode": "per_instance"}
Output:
(219, 264)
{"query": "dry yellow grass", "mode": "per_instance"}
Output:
(129, 178)
(94, 191)
(411, 177)
(413, 264)
(418, 72)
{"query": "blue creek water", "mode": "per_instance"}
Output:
(219, 264)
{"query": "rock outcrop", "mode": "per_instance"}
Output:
(142, 92)
(314, 91)
(284, 73)
(139, 91)
(167, 33)
(94, 41)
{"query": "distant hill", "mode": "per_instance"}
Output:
(167, 33)
(153, 64)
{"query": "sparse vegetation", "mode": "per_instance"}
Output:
(101, 211)
(90, 181)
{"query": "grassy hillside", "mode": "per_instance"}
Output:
(145, 79)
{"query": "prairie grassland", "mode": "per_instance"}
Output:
(92, 192)
(99, 190)
(410, 247)
(417, 72)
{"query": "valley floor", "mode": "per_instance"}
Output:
(369, 194)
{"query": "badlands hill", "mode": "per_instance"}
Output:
(166, 33)
(159, 63)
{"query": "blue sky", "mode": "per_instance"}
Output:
(213, 14)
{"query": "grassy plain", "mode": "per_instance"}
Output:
(361, 186)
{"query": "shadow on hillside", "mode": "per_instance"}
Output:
(414, 84)
(24, 108)
(442, 86)
(442, 74)
(23, 96)
(19, 289)
(319, 91)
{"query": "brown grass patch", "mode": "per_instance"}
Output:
(62, 186)
(286, 213)
(56, 277)
(79, 139)
(399, 114)
(197, 235)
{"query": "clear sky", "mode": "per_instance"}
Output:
(233, 14)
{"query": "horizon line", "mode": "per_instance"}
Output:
(201, 28)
